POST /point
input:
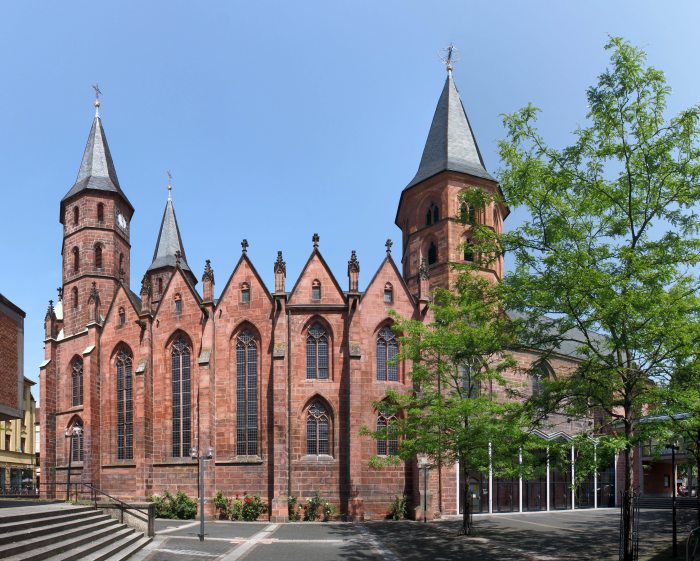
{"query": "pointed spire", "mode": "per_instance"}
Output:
(451, 145)
(97, 168)
(208, 272)
(169, 242)
(50, 314)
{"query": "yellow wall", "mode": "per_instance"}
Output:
(19, 430)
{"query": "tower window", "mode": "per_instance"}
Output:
(388, 293)
(463, 212)
(75, 297)
(125, 407)
(100, 212)
(178, 304)
(317, 430)
(122, 316)
(386, 421)
(245, 292)
(76, 260)
(182, 437)
(316, 290)
(160, 286)
(386, 352)
(469, 252)
(432, 215)
(432, 254)
(246, 395)
(316, 354)
(77, 379)
(121, 262)
(98, 257)
(76, 214)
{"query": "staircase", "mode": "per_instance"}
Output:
(62, 532)
(667, 503)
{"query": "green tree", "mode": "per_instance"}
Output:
(610, 245)
(458, 409)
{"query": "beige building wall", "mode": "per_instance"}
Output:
(18, 444)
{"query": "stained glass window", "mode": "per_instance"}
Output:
(246, 395)
(182, 439)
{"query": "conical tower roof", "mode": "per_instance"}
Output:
(97, 168)
(451, 145)
(169, 241)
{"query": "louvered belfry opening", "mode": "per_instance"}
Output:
(246, 395)
(182, 439)
(125, 407)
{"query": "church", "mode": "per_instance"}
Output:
(276, 380)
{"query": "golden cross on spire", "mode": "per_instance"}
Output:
(170, 177)
(448, 55)
(97, 94)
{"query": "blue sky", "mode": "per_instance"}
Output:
(280, 119)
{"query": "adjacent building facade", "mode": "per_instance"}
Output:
(11, 360)
(278, 380)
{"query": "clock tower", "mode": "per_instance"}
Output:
(95, 215)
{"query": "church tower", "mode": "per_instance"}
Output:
(95, 214)
(429, 205)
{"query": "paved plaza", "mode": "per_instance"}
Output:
(567, 535)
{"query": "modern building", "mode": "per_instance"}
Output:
(277, 380)
(17, 446)
(11, 360)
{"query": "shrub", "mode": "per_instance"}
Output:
(292, 508)
(397, 509)
(248, 508)
(316, 503)
(179, 507)
(253, 507)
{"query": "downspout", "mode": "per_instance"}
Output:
(289, 393)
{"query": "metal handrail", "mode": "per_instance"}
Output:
(692, 546)
(94, 491)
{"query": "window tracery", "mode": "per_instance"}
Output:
(387, 348)
(181, 436)
(125, 407)
(317, 426)
(246, 395)
(316, 353)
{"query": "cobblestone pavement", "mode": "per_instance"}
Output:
(579, 535)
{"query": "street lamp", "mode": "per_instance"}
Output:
(201, 455)
(424, 466)
(674, 446)
(70, 433)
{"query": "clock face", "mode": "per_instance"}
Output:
(121, 222)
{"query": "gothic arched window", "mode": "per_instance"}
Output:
(316, 354)
(317, 430)
(125, 407)
(78, 455)
(76, 214)
(432, 253)
(182, 439)
(386, 351)
(100, 212)
(98, 257)
(472, 214)
(542, 372)
(468, 251)
(432, 215)
(76, 260)
(77, 379)
(246, 395)
(387, 447)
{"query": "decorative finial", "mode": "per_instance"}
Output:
(94, 294)
(60, 293)
(315, 239)
(448, 55)
(280, 265)
(146, 284)
(97, 99)
(388, 245)
(170, 177)
(178, 256)
(208, 272)
(244, 245)
(423, 270)
(50, 314)
(353, 264)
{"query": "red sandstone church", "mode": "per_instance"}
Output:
(277, 380)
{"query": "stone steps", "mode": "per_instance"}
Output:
(65, 533)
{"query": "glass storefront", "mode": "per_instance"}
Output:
(507, 494)
(478, 492)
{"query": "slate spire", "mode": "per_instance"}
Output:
(451, 145)
(169, 242)
(97, 168)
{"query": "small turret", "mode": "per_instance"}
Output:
(353, 272)
(280, 274)
(50, 322)
(208, 283)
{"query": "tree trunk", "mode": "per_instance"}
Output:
(697, 487)
(627, 504)
(466, 511)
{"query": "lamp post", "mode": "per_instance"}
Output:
(201, 455)
(673, 446)
(424, 466)
(70, 433)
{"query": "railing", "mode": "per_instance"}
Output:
(15, 490)
(692, 546)
(94, 491)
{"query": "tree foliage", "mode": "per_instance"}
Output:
(611, 244)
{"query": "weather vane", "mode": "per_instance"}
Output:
(170, 177)
(448, 55)
(98, 93)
